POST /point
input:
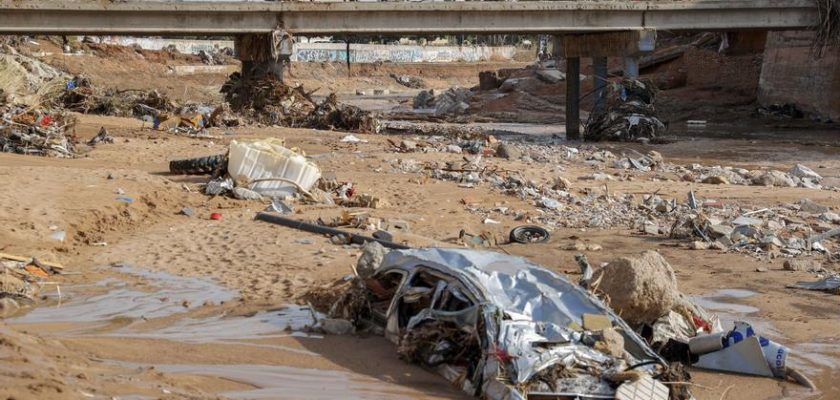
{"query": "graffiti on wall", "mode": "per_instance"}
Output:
(337, 52)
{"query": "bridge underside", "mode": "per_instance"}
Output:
(397, 18)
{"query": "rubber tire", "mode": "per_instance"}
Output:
(198, 166)
(517, 233)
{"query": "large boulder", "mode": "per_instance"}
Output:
(640, 289)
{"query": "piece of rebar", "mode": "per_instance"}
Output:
(325, 230)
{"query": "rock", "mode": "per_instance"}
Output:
(744, 230)
(774, 225)
(561, 183)
(408, 145)
(651, 229)
(594, 247)
(550, 75)
(187, 211)
(602, 156)
(830, 217)
(801, 171)
(424, 99)
(796, 264)
(508, 151)
(774, 178)
(812, 207)
(548, 202)
(640, 289)
(336, 326)
(8, 307)
(454, 148)
(576, 246)
(717, 231)
(698, 245)
(808, 184)
(242, 193)
(598, 176)
(372, 255)
(360, 92)
(771, 242)
(715, 180)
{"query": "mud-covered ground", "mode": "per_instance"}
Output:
(157, 304)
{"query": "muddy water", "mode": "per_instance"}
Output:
(136, 296)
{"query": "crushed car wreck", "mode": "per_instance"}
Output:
(500, 327)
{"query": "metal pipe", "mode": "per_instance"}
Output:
(324, 230)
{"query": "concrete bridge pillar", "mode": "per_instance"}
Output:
(598, 46)
(264, 54)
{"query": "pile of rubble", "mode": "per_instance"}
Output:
(21, 280)
(628, 113)
(81, 96)
(455, 100)
(28, 130)
(270, 101)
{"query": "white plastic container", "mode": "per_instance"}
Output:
(265, 159)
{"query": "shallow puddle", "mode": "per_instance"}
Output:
(158, 294)
(717, 301)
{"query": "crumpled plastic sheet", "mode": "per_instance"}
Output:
(830, 283)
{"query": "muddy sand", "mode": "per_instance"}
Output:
(162, 305)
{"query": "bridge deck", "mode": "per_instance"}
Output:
(394, 18)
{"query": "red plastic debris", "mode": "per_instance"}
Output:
(216, 216)
(700, 323)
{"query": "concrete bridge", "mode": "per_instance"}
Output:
(396, 18)
(262, 30)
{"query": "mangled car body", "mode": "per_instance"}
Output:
(500, 327)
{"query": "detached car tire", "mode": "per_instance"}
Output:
(198, 166)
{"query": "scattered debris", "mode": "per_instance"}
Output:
(270, 101)
(830, 284)
(27, 130)
(409, 81)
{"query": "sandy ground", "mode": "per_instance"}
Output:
(269, 266)
(208, 316)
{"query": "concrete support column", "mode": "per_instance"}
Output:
(599, 66)
(263, 55)
(631, 67)
(573, 98)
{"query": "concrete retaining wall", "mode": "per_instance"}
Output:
(368, 53)
(790, 74)
(325, 52)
